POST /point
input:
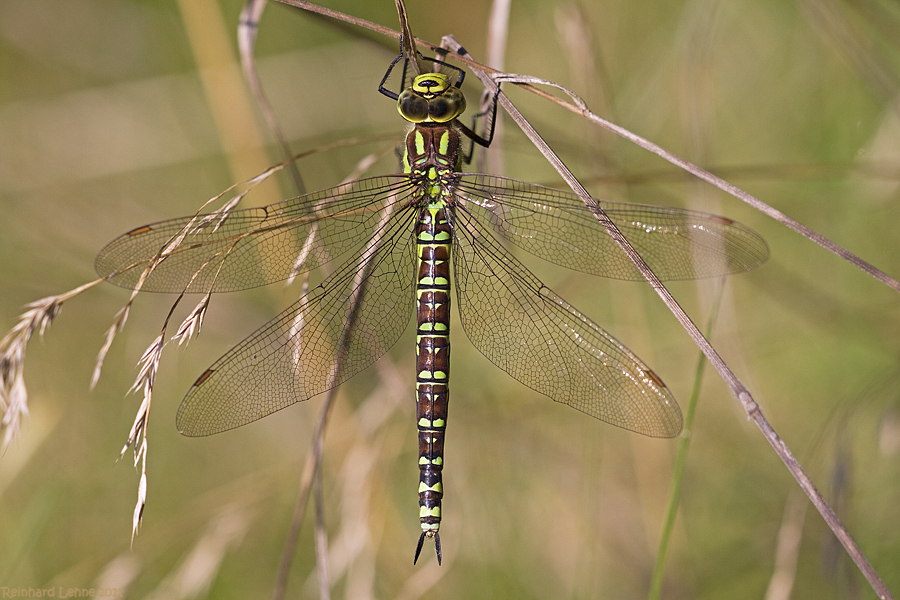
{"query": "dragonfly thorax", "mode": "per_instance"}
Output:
(431, 157)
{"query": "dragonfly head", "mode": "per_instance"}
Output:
(431, 99)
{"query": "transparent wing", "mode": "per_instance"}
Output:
(556, 226)
(527, 330)
(362, 308)
(251, 247)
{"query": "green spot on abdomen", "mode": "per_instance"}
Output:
(434, 488)
(424, 511)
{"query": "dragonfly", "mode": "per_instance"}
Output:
(404, 243)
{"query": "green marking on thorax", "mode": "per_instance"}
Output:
(420, 143)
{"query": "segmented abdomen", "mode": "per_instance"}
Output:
(432, 358)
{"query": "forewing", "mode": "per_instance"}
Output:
(338, 329)
(527, 330)
(558, 227)
(251, 247)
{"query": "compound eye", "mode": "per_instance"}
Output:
(412, 107)
(447, 106)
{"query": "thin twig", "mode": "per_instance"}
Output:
(790, 534)
(312, 472)
(739, 194)
(230, 105)
(738, 389)
(13, 393)
(634, 138)
(293, 533)
(321, 535)
(314, 462)
(407, 40)
(497, 34)
(681, 458)
(137, 436)
(247, 30)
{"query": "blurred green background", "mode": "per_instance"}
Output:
(117, 113)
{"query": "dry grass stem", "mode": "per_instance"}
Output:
(321, 538)
(118, 323)
(148, 366)
(142, 486)
(13, 392)
(407, 39)
(634, 138)
(358, 171)
(490, 79)
(230, 105)
(738, 389)
(198, 570)
(137, 436)
(787, 552)
(352, 555)
(193, 322)
(247, 31)
(302, 256)
(313, 467)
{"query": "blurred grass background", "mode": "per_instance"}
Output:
(107, 123)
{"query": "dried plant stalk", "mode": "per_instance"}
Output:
(13, 393)
(489, 78)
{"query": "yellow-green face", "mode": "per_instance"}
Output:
(431, 99)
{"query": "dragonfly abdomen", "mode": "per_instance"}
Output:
(432, 362)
